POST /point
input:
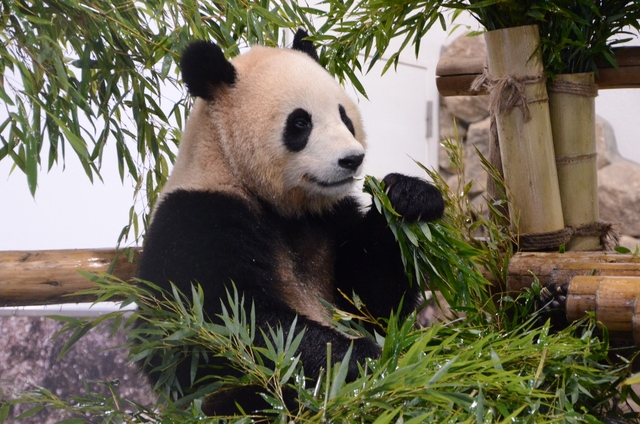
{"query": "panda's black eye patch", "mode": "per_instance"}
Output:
(297, 130)
(347, 121)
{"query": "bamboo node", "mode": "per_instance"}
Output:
(575, 88)
(566, 160)
(508, 92)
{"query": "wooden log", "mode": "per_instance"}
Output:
(46, 277)
(615, 302)
(50, 276)
(560, 268)
(454, 76)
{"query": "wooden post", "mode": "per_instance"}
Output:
(526, 143)
(50, 276)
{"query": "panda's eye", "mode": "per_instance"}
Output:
(297, 130)
(302, 123)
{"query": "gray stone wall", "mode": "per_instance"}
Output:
(28, 358)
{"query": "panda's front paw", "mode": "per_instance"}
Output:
(413, 198)
(553, 308)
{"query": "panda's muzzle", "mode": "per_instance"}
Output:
(332, 184)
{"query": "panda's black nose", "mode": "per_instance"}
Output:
(351, 162)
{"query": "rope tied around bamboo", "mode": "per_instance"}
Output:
(508, 92)
(551, 240)
(573, 87)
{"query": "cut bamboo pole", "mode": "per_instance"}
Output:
(582, 296)
(50, 276)
(572, 109)
(526, 146)
(560, 268)
(613, 299)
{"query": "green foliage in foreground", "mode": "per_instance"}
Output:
(490, 365)
(497, 362)
(455, 372)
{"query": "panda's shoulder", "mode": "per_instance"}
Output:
(195, 208)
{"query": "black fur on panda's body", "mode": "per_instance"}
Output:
(282, 258)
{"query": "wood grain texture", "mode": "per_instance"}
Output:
(50, 276)
(560, 268)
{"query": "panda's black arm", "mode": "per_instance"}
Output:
(369, 260)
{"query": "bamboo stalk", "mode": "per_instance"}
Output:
(582, 296)
(573, 121)
(613, 299)
(50, 276)
(526, 146)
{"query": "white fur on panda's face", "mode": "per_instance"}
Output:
(326, 157)
(303, 145)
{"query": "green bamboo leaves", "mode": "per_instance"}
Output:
(436, 256)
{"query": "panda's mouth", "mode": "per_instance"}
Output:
(327, 184)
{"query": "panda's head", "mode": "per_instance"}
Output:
(270, 124)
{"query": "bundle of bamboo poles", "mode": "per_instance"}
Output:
(607, 284)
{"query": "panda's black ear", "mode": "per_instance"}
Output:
(305, 46)
(204, 68)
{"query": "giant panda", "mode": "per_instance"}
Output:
(262, 195)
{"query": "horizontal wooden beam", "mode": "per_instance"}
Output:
(560, 268)
(50, 276)
(455, 75)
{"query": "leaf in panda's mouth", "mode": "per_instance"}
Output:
(331, 184)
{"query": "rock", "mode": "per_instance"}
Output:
(467, 108)
(606, 144)
(465, 46)
(446, 123)
(619, 195)
(630, 243)
(477, 138)
(28, 357)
